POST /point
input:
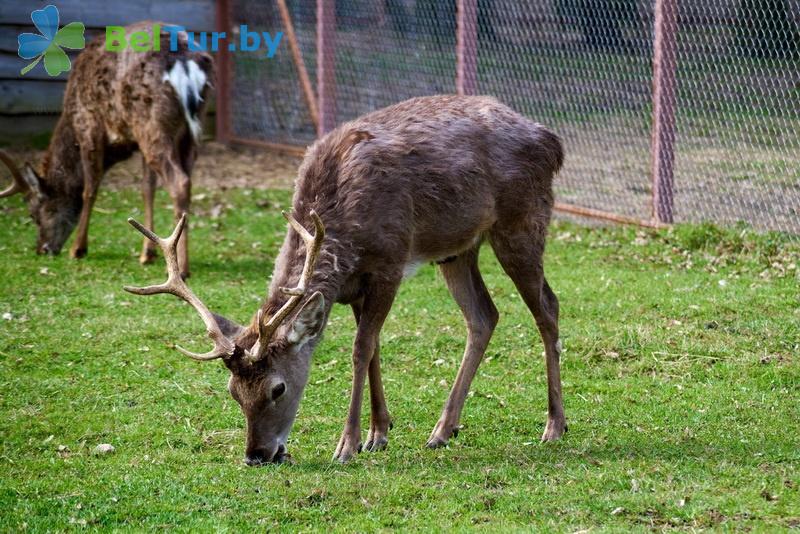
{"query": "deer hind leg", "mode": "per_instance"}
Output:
(379, 421)
(149, 178)
(168, 166)
(378, 299)
(466, 285)
(188, 153)
(520, 252)
(91, 153)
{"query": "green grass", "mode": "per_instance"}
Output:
(681, 385)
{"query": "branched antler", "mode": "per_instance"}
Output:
(313, 246)
(175, 285)
(18, 185)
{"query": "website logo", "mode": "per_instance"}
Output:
(50, 44)
(142, 41)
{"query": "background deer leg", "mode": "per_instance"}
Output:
(92, 166)
(179, 185)
(466, 285)
(520, 253)
(379, 420)
(378, 299)
(149, 179)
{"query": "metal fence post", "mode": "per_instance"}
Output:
(224, 74)
(326, 60)
(299, 64)
(467, 47)
(663, 141)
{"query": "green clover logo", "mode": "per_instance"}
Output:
(49, 44)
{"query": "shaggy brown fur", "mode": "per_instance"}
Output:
(115, 103)
(425, 180)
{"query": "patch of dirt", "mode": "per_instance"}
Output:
(217, 167)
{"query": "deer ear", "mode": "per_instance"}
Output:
(32, 179)
(309, 321)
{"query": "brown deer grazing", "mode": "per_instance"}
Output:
(116, 102)
(424, 180)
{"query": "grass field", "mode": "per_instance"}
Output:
(681, 386)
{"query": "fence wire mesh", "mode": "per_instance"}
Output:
(266, 101)
(583, 68)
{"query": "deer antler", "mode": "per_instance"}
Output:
(223, 346)
(313, 245)
(19, 184)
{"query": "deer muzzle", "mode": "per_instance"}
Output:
(261, 456)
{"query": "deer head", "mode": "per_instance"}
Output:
(269, 361)
(54, 215)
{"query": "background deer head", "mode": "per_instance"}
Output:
(55, 215)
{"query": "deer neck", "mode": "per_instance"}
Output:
(330, 273)
(62, 169)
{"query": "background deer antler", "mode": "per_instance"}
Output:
(18, 185)
(313, 245)
(175, 285)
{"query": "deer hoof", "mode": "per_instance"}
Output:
(440, 436)
(345, 455)
(378, 436)
(346, 450)
(436, 443)
(78, 253)
(147, 256)
(554, 430)
(377, 443)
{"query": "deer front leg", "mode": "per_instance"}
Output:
(148, 194)
(92, 166)
(377, 303)
(181, 190)
(179, 186)
(379, 421)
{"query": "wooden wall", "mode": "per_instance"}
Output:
(30, 104)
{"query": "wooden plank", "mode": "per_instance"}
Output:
(31, 96)
(21, 129)
(191, 14)
(41, 96)
(11, 64)
(663, 140)
(9, 33)
(16, 130)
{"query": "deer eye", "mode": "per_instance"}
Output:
(278, 390)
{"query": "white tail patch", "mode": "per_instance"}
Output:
(188, 81)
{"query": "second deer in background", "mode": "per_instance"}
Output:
(116, 103)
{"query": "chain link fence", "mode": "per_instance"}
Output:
(585, 68)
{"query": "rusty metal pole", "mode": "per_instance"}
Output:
(663, 140)
(326, 60)
(467, 47)
(224, 74)
(299, 64)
